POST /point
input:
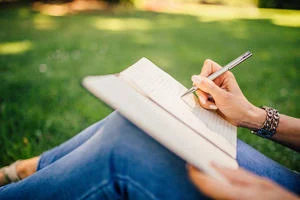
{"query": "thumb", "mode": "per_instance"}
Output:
(208, 86)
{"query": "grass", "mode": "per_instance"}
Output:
(43, 60)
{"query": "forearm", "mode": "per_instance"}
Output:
(287, 132)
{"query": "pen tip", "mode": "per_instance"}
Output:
(183, 95)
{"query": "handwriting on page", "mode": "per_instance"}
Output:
(166, 91)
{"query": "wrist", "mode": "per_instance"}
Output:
(254, 118)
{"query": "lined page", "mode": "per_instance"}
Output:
(153, 82)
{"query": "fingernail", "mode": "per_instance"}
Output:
(202, 100)
(196, 79)
(213, 107)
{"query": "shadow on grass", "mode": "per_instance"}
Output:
(43, 104)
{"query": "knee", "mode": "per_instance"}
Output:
(127, 145)
(120, 136)
(116, 120)
(125, 142)
(120, 130)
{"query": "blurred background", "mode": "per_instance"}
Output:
(47, 47)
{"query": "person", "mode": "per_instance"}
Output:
(114, 159)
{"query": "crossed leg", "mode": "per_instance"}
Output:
(114, 160)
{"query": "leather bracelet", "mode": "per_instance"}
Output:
(270, 125)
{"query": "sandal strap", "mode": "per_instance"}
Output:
(10, 173)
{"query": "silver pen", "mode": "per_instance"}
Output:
(224, 69)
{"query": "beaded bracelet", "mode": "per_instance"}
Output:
(270, 125)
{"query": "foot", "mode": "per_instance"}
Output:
(18, 170)
(2, 179)
(27, 167)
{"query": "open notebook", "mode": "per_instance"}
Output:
(151, 99)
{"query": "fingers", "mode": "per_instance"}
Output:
(209, 87)
(243, 185)
(205, 101)
(211, 186)
(209, 67)
(237, 176)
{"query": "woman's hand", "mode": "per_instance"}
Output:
(242, 185)
(227, 97)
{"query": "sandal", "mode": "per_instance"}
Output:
(10, 174)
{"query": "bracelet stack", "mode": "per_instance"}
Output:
(270, 125)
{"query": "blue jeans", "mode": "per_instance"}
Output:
(113, 159)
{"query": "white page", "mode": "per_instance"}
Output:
(166, 91)
(159, 124)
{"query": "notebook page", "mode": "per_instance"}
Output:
(159, 124)
(166, 91)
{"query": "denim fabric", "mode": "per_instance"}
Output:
(113, 159)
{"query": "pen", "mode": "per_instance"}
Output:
(224, 69)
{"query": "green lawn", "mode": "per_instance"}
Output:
(43, 60)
